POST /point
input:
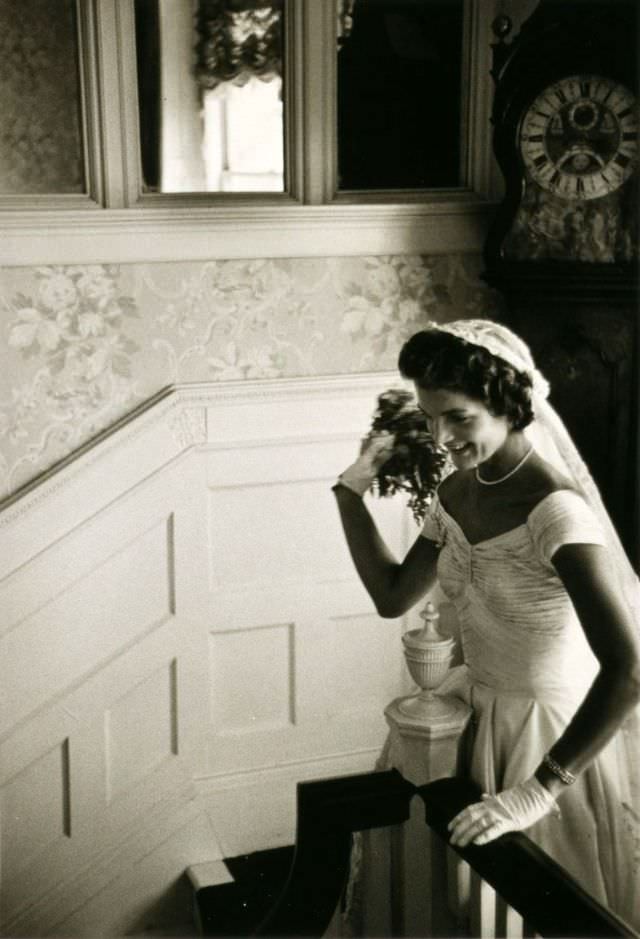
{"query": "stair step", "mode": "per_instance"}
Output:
(236, 907)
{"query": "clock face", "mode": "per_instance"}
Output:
(579, 138)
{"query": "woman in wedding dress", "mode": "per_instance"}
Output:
(546, 600)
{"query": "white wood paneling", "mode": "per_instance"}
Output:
(183, 638)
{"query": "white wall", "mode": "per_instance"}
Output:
(183, 638)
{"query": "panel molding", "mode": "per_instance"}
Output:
(139, 494)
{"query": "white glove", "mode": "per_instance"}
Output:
(375, 452)
(510, 810)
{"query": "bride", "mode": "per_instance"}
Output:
(546, 599)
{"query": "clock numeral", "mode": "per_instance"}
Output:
(554, 179)
(580, 186)
(540, 161)
(608, 94)
(622, 160)
(535, 138)
(585, 89)
(624, 113)
(592, 184)
(627, 136)
(560, 95)
(544, 115)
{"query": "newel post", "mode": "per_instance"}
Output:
(405, 883)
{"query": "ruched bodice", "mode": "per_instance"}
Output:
(527, 666)
(518, 627)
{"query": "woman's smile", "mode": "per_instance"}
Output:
(462, 454)
(463, 425)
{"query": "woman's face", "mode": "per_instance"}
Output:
(469, 431)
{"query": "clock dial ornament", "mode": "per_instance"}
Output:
(579, 137)
(566, 122)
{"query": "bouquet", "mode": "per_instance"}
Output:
(416, 464)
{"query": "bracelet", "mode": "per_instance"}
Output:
(563, 774)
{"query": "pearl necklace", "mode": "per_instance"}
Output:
(494, 482)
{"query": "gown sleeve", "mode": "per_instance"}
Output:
(563, 518)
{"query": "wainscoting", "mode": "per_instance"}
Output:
(183, 639)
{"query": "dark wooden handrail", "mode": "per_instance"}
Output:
(329, 811)
(545, 895)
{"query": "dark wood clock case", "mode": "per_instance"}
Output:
(579, 317)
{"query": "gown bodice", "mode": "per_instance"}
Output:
(518, 627)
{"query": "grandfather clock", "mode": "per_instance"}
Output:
(563, 246)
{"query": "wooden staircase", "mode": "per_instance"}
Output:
(296, 891)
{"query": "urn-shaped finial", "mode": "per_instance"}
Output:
(428, 655)
(429, 632)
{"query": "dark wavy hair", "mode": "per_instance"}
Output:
(435, 359)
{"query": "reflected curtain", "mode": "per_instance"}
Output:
(238, 39)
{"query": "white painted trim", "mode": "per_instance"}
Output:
(482, 169)
(166, 408)
(208, 874)
(90, 101)
(319, 95)
(142, 235)
(320, 767)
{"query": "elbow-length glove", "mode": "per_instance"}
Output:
(510, 810)
(375, 451)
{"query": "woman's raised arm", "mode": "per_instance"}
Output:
(393, 586)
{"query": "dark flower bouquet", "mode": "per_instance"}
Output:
(416, 464)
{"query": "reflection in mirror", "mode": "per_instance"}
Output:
(210, 95)
(41, 141)
(400, 94)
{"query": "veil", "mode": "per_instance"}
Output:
(553, 442)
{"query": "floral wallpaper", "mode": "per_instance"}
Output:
(82, 346)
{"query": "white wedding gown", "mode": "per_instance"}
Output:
(527, 668)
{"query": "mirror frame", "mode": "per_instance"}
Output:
(117, 223)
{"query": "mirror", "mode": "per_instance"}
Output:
(41, 147)
(400, 105)
(210, 95)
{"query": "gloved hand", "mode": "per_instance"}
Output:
(510, 810)
(375, 451)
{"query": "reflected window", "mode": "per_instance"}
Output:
(400, 94)
(41, 149)
(243, 137)
(210, 94)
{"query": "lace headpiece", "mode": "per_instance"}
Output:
(500, 341)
